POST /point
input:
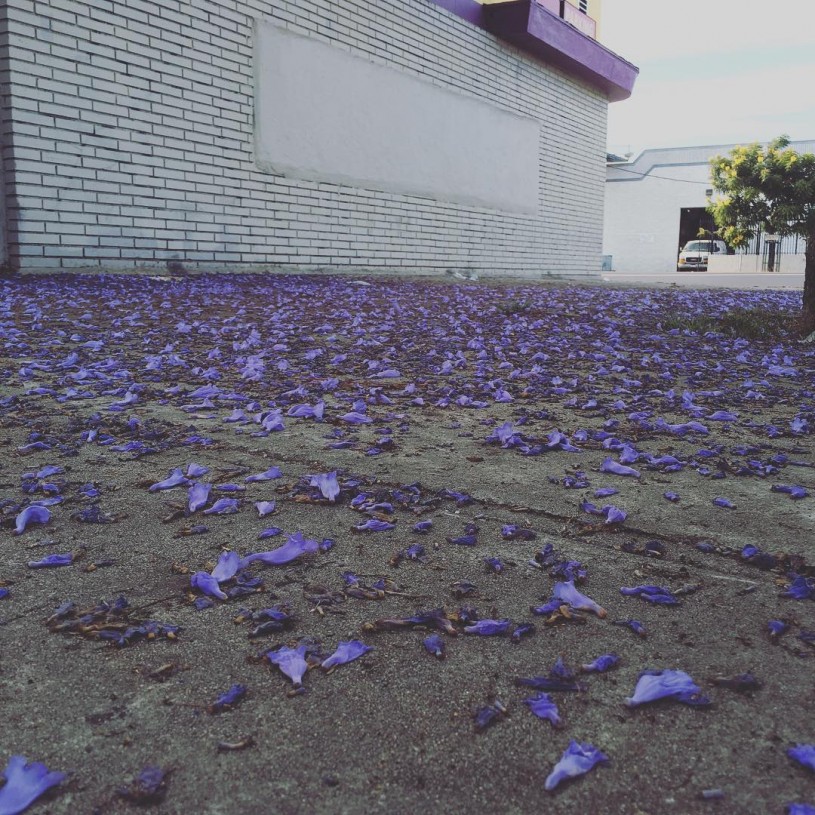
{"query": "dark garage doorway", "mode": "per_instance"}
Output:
(694, 222)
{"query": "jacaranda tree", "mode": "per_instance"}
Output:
(768, 188)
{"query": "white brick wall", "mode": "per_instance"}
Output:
(128, 140)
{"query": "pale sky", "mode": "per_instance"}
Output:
(712, 71)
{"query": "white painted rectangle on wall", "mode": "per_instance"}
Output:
(324, 114)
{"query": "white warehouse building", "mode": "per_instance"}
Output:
(657, 202)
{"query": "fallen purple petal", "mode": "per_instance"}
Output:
(601, 664)
(291, 661)
(804, 754)
(51, 560)
(327, 484)
(31, 515)
(434, 645)
(223, 506)
(567, 593)
(25, 783)
(544, 707)
(667, 684)
(577, 760)
(295, 546)
(346, 652)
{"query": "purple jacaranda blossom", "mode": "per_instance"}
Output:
(660, 595)
(601, 664)
(488, 715)
(567, 593)
(463, 540)
(291, 661)
(550, 683)
(635, 625)
(373, 525)
(149, 787)
(270, 532)
(605, 492)
(175, 479)
(794, 492)
(488, 628)
(801, 588)
(550, 607)
(804, 754)
(755, 557)
(207, 584)
(48, 471)
(666, 684)
(265, 508)
(346, 652)
(198, 495)
(327, 484)
(511, 532)
(521, 631)
(569, 570)
(544, 707)
(434, 645)
(307, 411)
(230, 488)
(354, 417)
(272, 422)
(577, 760)
(614, 515)
(196, 470)
(223, 506)
(777, 628)
(228, 699)
(681, 429)
(227, 566)
(670, 496)
(435, 618)
(494, 564)
(422, 527)
(51, 560)
(461, 498)
(611, 466)
(294, 547)
(4, 592)
(31, 515)
(723, 416)
(34, 446)
(267, 475)
(724, 503)
(24, 784)
(505, 435)
(800, 809)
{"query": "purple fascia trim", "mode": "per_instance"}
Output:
(536, 31)
(470, 10)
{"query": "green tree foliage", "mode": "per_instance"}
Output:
(770, 188)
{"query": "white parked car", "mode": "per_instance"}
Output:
(694, 254)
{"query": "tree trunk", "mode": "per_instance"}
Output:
(808, 315)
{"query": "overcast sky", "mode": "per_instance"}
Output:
(712, 71)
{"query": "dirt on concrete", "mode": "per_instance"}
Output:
(394, 731)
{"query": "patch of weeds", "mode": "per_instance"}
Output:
(749, 324)
(756, 324)
(697, 324)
